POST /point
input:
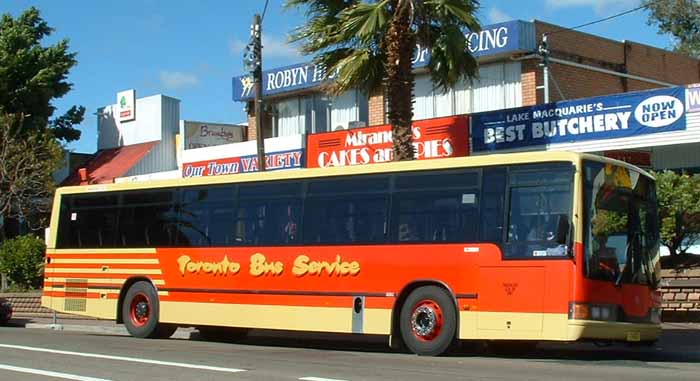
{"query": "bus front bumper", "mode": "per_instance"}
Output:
(613, 331)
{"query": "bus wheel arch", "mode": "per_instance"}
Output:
(437, 300)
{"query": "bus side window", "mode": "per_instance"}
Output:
(90, 221)
(350, 219)
(493, 197)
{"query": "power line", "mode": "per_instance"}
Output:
(264, 10)
(599, 21)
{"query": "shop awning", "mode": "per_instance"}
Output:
(111, 163)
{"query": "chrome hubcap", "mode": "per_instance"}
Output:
(141, 310)
(423, 321)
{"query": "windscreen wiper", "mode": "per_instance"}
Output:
(624, 270)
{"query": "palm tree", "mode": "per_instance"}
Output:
(369, 43)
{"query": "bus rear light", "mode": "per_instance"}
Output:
(579, 311)
(600, 312)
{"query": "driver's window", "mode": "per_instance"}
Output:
(539, 206)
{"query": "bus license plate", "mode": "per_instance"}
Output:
(633, 336)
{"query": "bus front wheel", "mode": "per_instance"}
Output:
(140, 313)
(428, 321)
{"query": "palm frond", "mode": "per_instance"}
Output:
(449, 62)
(352, 68)
(363, 21)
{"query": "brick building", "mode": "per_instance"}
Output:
(511, 75)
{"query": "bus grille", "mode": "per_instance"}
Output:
(76, 295)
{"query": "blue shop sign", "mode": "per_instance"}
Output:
(504, 38)
(605, 117)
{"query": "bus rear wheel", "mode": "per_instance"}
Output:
(428, 321)
(140, 313)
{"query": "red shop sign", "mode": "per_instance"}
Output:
(432, 139)
(638, 158)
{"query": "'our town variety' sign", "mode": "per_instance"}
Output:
(243, 164)
(605, 117)
(509, 37)
(432, 138)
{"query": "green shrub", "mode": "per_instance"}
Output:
(22, 259)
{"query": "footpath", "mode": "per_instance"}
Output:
(77, 324)
(677, 335)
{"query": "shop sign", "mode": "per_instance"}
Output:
(126, 105)
(432, 139)
(638, 158)
(508, 37)
(693, 98)
(200, 135)
(243, 164)
(597, 118)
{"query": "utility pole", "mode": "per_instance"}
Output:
(256, 32)
(544, 52)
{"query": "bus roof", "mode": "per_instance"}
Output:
(403, 166)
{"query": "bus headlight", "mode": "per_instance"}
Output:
(586, 311)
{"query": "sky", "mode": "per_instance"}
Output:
(190, 50)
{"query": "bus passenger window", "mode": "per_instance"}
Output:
(492, 205)
(358, 219)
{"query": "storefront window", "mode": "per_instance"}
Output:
(289, 117)
(498, 86)
(320, 113)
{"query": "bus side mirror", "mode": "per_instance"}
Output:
(563, 228)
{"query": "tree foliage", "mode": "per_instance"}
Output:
(26, 167)
(21, 259)
(679, 209)
(680, 19)
(370, 44)
(32, 75)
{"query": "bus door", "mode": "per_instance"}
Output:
(536, 223)
(511, 298)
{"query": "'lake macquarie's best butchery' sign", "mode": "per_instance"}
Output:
(605, 117)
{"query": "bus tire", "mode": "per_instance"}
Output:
(140, 312)
(428, 321)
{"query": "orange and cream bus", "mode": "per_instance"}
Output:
(515, 247)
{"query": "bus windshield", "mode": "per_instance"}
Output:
(622, 227)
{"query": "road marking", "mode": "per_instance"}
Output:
(319, 379)
(47, 373)
(123, 358)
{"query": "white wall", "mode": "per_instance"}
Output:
(167, 175)
(163, 157)
(147, 126)
(279, 144)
